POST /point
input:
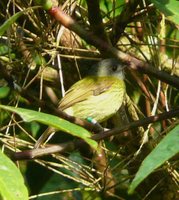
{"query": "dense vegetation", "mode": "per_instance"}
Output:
(43, 51)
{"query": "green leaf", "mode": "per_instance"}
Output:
(46, 4)
(166, 149)
(4, 49)
(12, 19)
(169, 8)
(4, 91)
(11, 181)
(54, 121)
(9, 22)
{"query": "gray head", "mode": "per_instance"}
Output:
(108, 67)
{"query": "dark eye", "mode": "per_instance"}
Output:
(114, 67)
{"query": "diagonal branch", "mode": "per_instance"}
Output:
(110, 51)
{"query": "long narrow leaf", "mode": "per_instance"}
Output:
(4, 27)
(9, 22)
(166, 149)
(54, 121)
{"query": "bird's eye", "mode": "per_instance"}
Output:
(114, 68)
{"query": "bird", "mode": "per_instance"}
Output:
(99, 95)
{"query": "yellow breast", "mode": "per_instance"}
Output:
(99, 98)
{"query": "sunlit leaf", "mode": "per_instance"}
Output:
(54, 121)
(169, 9)
(166, 149)
(12, 185)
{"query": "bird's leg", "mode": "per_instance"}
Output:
(96, 123)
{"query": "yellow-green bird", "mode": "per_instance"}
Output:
(98, 96)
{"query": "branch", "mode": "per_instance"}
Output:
(124, 18)
(142, 122)
(70, 146)
(110, 51)
(95, 19)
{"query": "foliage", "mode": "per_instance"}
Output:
(54, 121)
(165, 150)
(11, 181)
(40, 58)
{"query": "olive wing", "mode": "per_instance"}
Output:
(83, 89)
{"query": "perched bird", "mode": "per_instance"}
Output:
(99, 95)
